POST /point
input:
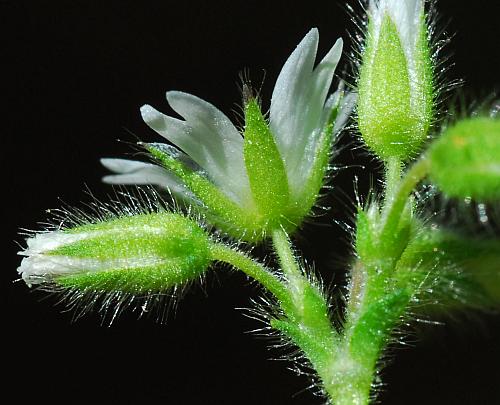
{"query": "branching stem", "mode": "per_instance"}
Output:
(345, 362)
(375, 306)
(395, 204)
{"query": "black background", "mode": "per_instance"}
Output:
(76, 74)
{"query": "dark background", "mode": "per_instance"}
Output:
(76, 74)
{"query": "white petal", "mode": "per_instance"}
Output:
(140, 173)
(44, 242)
(124, 165)
(297, 105)
(208, 137)
(406, 14)
(41, 268)
(408, 17)
(331, 103)
(342, 101)
(346, 107)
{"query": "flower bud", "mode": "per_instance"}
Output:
(465, 160)
(144, 253)
(395, 86)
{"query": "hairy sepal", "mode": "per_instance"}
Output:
(265, 168)
(242, 224)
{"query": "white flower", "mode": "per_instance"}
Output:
(212, 146)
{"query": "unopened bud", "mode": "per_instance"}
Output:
(134, 254)
(395, 86)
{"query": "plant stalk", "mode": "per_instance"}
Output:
(251, 268)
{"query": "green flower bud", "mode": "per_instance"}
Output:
(395, 86)
(144, 253)
(465, 160)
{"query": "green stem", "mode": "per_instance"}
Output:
(353, 389)
(308, 323)
(367, 331)
(395, 205)
(393, 171)
(297, 283)
(251, 268)
(374, 306)
(283, 249)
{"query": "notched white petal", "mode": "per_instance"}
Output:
(289, 94)
(320, 83)
(130, 172)
(345, 109)
(124, 165)
(297, 106)
(208, 137)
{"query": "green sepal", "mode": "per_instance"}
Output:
(265, 168)
(465, 160)
(201, 186)
(222, 211)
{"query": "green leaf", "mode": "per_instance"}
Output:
(372, 330)
(318, 351)
(460, 271)
(378, 250)
(365, 245)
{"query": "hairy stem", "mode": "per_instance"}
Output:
(251, 268)
(375, 312)
(308, 323)
(395, 205)
(285, 254)
(375, 303)
(296, 281)
(393, 171)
